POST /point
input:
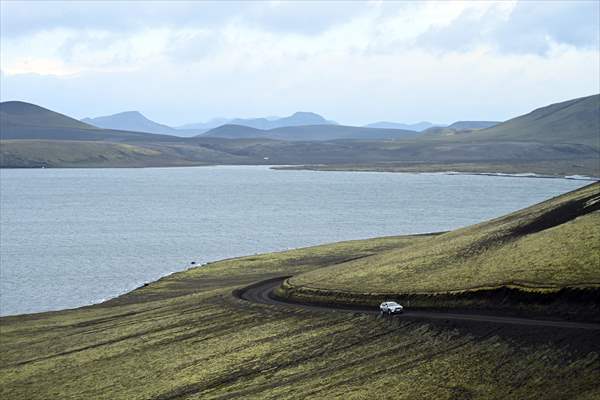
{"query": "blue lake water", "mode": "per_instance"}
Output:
(72, 237)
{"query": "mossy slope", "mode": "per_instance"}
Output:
(187, 337)
(546, 247)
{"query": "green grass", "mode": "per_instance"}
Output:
(186, 336)
(542, 249)
(50, 153)
(80, 153)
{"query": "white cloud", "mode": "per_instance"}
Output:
(379, 60)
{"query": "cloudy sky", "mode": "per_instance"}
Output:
(355, 62)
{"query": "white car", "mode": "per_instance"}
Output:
(390, 307)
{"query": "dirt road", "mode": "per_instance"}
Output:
(261, 292)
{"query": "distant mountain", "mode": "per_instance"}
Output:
(307, 133)
(205, 126)
(464, 125)
(301, 118)
(130, 121)
(417, 127)
(573, 121)
(20, 120)
(428, 126)
(297, 119)
(256, 123)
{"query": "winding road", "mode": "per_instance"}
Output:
(262, 293)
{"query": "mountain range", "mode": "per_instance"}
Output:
(564, 137)
(297, 119)
(137, 122)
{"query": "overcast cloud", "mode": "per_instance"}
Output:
(354, 62)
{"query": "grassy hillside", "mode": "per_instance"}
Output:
(16, 113)
(78, 153)
(573, 121)
(551, 159)
(542, 249)
(388, 151)
(50, 153)
(187, 337)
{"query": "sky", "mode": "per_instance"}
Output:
(353, 62)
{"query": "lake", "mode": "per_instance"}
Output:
(72, 237)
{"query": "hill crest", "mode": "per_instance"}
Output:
(130, 121)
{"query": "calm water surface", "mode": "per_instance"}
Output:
(71, 237)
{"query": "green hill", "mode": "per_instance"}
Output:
(573, 121)
(88, 153)
(20, 120)
(542, 249)
(18, 113)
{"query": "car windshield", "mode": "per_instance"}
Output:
(392, 303)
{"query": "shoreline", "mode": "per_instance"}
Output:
(332, 168)
(199, 266)
(441, 171)
(137, 285)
